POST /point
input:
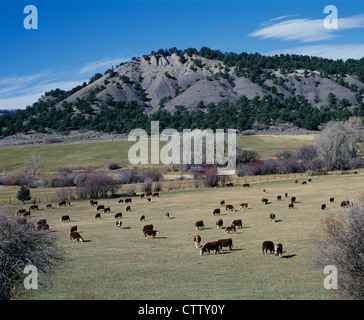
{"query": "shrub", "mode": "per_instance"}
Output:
(112, 165)
(15, 179)
(96, 186)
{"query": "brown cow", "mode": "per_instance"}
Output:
(26, 214)
(278, 250)
(62, 203)
(142, 195)
(225, 243)
(65, 218)
(167, 214)
(128, 208)
(279, 197)
(118, 223)
(127, 200)
(323, 206)
(272, 217)
(268, 245)
(291, 206)
(265, 200)
(33, 207)
(98, 216)
(142, 218)
(49, 206)
(344, 204)
(230, 228)
(107, 209)
(121, 201)
(75, 236)
(20, 211)
(199, 224)
(237, 223)
(246, 185)
(304, 182)
(219, 224)
(94, 203)
(149, 199)
(73, 229)
(148, 226)
(197, 240)
(332, 199)
(210, 246)
(151, 233)
(100, 207)
(155, 194)
(118, 215)
(222, 202)
(243, 205)
(229, 207)
(216, 211)
(229, 184)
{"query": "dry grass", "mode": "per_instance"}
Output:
(121, 264)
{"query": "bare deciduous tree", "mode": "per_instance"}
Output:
(22, 244)
(35, 163)
(341, 244)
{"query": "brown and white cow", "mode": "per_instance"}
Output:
(62, 203)
(222, 202)
(98, 216)
(73, 229)
(48, 206)
(75, 236)
(148, 227)
(197, 240)
(150, 233)
(20, 211)
(118, 215)
(323, 206)
(94, 203)
(291, 206)
(243, 205)
(229, 207)
(107, 209)
(268, 246)
(332, 199)
(167, 215)
(65, 218)
(121, 201)
(230, 229)
(128, 209)
(246, 185)
(237, 223)
(33, 207)
(26, 214)
(142, 218)
(199, 224)
(155, 194)
(216, 211)
(272, 217)
(127, 200)
(213, 245)
(265, 200)
(100, 207)
(344, 204)
(118, 223)
(278, 250)
(219, 224)
(225, 243)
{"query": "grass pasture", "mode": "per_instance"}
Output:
(121, 264)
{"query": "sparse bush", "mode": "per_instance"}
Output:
(96, 186)
(211, 177)
(15, 179)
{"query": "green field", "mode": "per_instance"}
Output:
(85, 155)
(121, 264)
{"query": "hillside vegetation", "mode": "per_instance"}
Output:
(201, 89)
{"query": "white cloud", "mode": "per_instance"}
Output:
(102, 65)
(306, 30)
(335, 51)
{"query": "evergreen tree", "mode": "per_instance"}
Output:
(23, 194)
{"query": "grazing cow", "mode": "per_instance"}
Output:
(148, 193)
(293, 199)
(199, 224)
(118, 223)
(309, 180)
(107, 209)
(100, 207)
(142, 218)
(219, 224)
(75, 236)
(128, 208)
(49, 206)
(216, 211)
(121, 201)
(65, 218)
(278, 250)
(98, 216)
(94, 203)
(229, 184)
(148, 226)
(246, 185)
(33, 207)
(20, 211)
(229, 207)
(149, 199)
(73, 229)
(304, 182)
(142, 195)
(43, 226)
(62, 203)
(222, 202)
(151, 233)
(230, 228)
(167, 214)
(128, 200)
(323, 206)
(265, 200)
(197, 240)
(225, 243)
(344, 204)
(243, 205)
(286, 195)
(26, 214)
(268, 245)
(279, 198)
(272, 217)
(213, 245)
(291, 206)
(237, 223)
(296, 181)
(118, 215)
(332, 199)
(155, 194)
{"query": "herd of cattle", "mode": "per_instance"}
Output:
(148, 230)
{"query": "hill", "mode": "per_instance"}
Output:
(203, 89)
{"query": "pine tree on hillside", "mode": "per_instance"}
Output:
(23, 194)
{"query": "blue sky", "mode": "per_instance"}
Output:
(75, 39)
